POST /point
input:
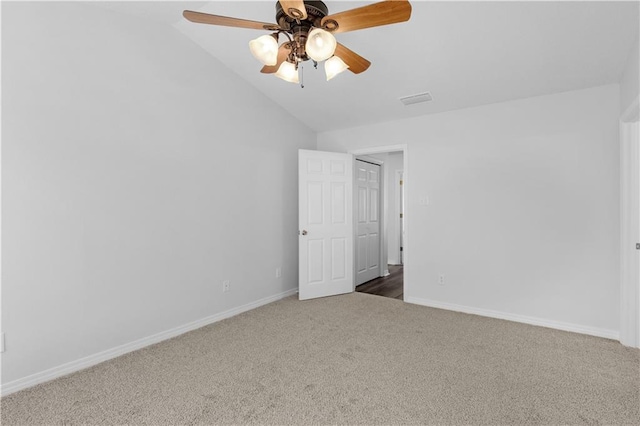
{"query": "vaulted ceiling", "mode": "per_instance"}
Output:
(465, 53)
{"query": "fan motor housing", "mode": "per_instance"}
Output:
(299, 28)
(316, 10)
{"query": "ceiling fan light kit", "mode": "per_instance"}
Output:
(265, 49)
(309, 30)
(334, 66)
(320, 45)
(288, 72)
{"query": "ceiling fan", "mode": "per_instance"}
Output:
(308, 29)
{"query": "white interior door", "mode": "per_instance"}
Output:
(630, 234)
(325, 188)
(367, 207)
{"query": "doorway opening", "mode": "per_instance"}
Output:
(390, 286)
(379, 222)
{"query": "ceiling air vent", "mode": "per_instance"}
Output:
(416, 99)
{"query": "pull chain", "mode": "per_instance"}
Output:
(301, 77)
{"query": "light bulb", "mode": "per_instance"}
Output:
(320, 44)
(265, 49)
(288, 72)
(334, 66)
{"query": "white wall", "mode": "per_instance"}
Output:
(138, 173)
(630, 82)
(523, 214)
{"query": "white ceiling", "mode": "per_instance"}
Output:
(465, 53)
(164, 12)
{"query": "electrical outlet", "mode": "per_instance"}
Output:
(1, 342)
(441, 279)
(226, 286)
(278, 272)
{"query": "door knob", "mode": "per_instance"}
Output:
(304, 232)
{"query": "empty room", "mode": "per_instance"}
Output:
(439, 221)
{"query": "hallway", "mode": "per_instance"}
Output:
(389, 286)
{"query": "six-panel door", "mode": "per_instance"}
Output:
(325, 223)
(367, 205)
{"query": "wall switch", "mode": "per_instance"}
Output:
(226, 286)
(441, 279)
(278, 272)
(1, 342)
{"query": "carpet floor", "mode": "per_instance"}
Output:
(351, 359)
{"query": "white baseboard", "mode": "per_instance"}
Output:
(575, 328)
(91, 360)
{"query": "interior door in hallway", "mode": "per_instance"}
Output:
(367, 206)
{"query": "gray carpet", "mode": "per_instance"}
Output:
(352, 359)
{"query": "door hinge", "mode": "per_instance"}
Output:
(401, 215)
(637, 246)
(401, 182)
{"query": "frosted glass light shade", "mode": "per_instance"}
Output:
(334, 66)
(265, 49)
(320, 44)
(288, 72)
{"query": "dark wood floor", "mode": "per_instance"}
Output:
(390, 286)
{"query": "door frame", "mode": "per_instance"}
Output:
(399, 200)
(629, 226)
(405, 164)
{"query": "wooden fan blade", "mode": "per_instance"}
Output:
(294, 8)
(205, 18)
(283, 52)
(373, 15)
(357, 63)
